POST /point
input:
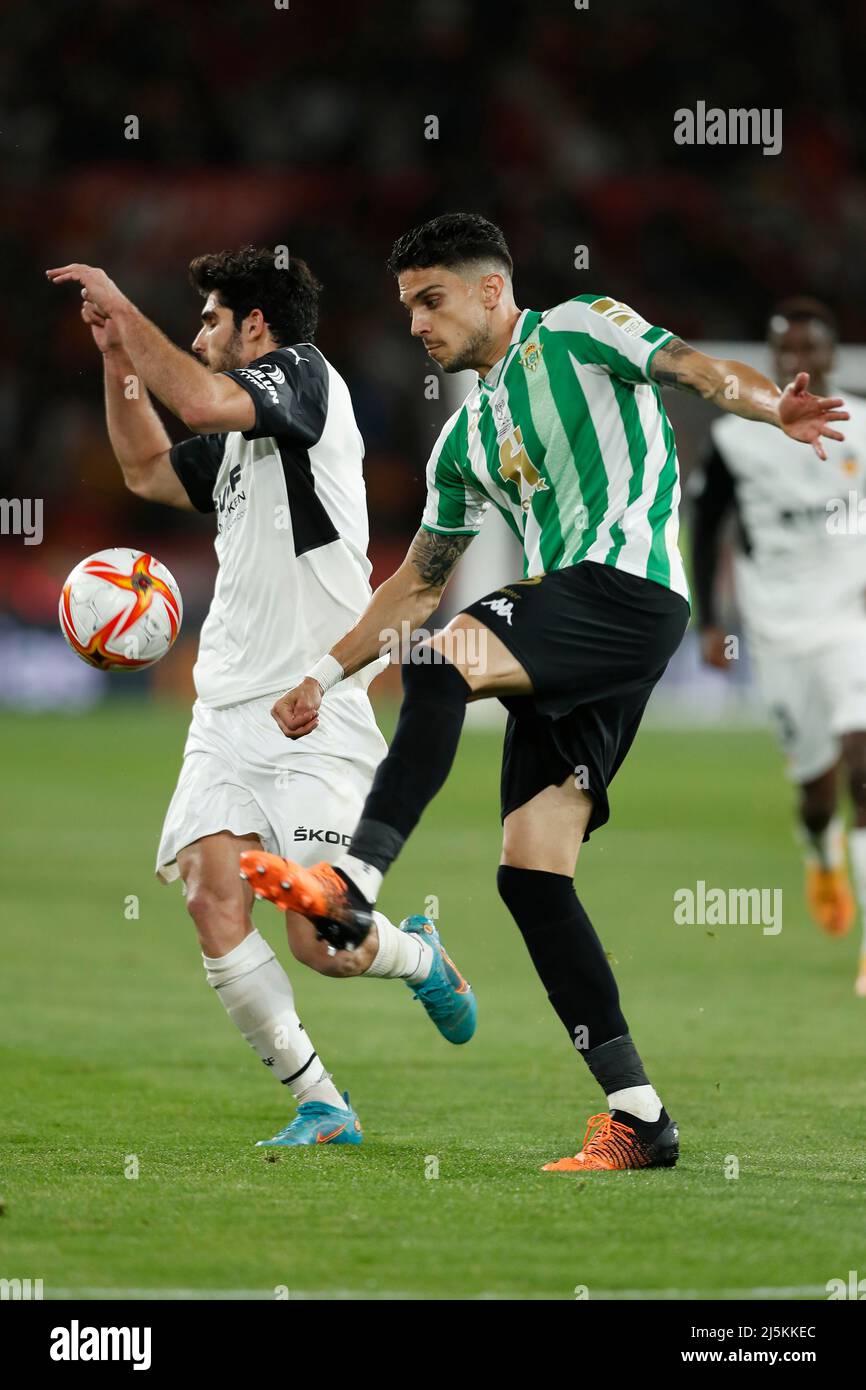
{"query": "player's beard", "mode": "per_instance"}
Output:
(472, 354)
(231, 356)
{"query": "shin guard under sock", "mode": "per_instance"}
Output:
(566, 952)
(417, 763)
(580, 985)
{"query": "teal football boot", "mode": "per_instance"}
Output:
(316, 1123)
(446, 996)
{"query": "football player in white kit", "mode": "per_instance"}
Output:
(800, 579)
(277, 455)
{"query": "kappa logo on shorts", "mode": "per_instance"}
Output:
(502, 607)
(327, 837)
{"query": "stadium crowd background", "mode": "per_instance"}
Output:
(306, 127)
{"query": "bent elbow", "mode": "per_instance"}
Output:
(201, 416)
(135, 484)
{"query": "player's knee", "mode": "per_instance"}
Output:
(508, 881)
(219, 918)
(201, 902)
(518, 854)
(525, 891)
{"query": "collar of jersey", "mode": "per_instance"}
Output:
(525, 324)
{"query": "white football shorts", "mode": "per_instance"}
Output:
(814, 697)
(302, 797)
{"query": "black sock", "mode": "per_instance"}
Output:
(354, 897)
(615, 1064)
(567, 954)
(417, 763)
(644, 1129)
(580, 985)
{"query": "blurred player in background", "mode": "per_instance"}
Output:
(800, 577)
(277, 457)
(565, 433)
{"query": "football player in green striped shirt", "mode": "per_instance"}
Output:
(565, 433)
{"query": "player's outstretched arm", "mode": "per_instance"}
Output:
(138, 438)
(409, 596)
(206, 402)
(742, 390)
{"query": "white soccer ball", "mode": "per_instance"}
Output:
(120, 610)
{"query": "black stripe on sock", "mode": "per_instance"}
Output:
(289, 1079)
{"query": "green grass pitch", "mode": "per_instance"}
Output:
(113, 1046)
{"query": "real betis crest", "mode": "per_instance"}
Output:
(531, 355)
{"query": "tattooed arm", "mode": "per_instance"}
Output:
(729, 385)
(408, 597)
(734, 386)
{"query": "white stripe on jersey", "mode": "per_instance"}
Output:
(635, 523)
(606, 421)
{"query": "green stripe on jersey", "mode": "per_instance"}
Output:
(453, 501)
(637, 448)
(585, 451)
(659, 566)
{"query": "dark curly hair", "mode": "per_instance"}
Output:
(250, 279)
(453, 239)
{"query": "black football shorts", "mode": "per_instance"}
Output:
(594, 641)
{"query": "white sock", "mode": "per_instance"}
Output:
(825, 849)
(258, 997)
(857, 856)
(402, 955)
(366, 879)
(640, 1101)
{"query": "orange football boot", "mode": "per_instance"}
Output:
(830, 899)
(610, 1144)
(319, 893)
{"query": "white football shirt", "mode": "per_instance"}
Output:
(292, 530)
(800, 570)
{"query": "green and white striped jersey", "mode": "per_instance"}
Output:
(567, 436)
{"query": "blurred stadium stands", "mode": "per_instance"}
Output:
(306, 127)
